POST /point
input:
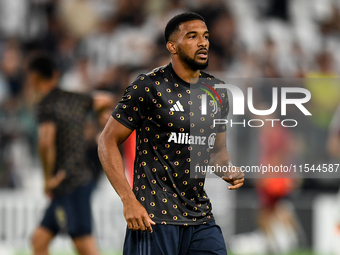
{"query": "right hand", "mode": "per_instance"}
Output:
(136, 216)
(54, 182)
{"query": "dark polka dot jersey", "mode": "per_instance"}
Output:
(173, 138)
(69, 112)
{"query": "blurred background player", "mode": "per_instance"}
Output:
(333, 144)
(276, 217)
(62, 147)
(333, 148)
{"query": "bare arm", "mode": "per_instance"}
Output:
(47, 151)
(220, 156)
(103, 100)
(47, 147)
(112, 136)
(103, 105)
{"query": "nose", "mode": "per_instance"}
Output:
(203, 42)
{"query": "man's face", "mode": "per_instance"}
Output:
(192, 41)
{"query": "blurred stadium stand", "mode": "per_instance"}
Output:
(103, 44)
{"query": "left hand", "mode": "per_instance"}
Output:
(235, 177)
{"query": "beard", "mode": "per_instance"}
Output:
(191, 62)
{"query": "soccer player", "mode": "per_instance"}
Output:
(333, 143)
(168, 199)
(68, 178)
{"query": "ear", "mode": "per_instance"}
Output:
(36, 77)
(171, 47)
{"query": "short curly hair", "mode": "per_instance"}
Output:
(176, 21)
(43, 65)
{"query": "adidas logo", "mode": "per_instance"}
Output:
(177, 107)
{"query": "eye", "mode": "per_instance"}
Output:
(192, 36)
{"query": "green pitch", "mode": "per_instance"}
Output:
(73, 253)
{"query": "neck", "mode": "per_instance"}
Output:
(47, 87)
(185, 72)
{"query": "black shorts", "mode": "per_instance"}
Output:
(205, 239)
(70, 213)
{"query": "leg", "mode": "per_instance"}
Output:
(206, 239)
(285, 214)
(265, 217)
(40, 240)
(48, 228)
(86, 245)
(79, 212)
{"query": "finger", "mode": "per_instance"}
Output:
(227, 179)
(234, 183)
(52, 184)
(58, 179)
(238, 181)
(241, 175)
(57, 182)
(61, 175)
(235, 186)
(141, 224)
(235, 174)
(231, 177)
(135, 225)
(130, 226)
(49, 186)
(147, 223)
(238, 175)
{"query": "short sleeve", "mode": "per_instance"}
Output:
(135, 104)
(45, 114)
(87, 102)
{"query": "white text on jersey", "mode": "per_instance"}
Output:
(185, 138)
